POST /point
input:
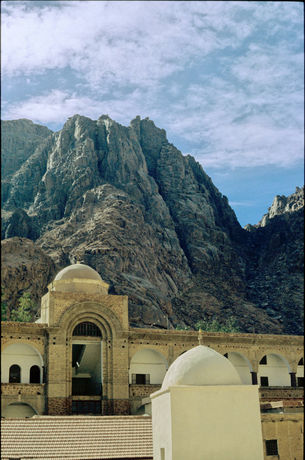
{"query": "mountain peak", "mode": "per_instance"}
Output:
(282, 205)
(149, 220)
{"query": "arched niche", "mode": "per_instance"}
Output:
(147, 366)
(242, 365)
(273, 370)
(23, 355)
(18, 410)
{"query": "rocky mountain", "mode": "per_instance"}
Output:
(128, 203)
(19, 138)
(284, 206)
(24, 268)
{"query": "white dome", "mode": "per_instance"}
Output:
(201, 366)
(78, 271)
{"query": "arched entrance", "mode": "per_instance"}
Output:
(86, 360)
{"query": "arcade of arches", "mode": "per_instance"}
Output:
(81, 356)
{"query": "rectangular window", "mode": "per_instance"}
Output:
(300, 381)
(140, 379)
(271, 447)
(264, 382)
(162, 453)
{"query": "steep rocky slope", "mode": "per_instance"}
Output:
(276, 271)
(128, 203)
(24, 268)
(19, 139)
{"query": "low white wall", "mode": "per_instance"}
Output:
(207, 422)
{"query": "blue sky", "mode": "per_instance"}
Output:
(224, 79)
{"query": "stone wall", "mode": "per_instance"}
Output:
(31, 394)
(142, 391)
(288, 430)
(278, 393)
(8, 389)
(119, 346)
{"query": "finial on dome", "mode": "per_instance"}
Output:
(200, 338)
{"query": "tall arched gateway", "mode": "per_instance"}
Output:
(87, 368)
(85, 326)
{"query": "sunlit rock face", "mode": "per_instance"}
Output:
(149, 220)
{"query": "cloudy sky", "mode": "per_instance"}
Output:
(224, 79)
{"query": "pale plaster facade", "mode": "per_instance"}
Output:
(215, 422)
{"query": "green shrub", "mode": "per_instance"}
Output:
(24, 311)
(213, 325)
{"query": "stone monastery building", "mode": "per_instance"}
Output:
(82, 358)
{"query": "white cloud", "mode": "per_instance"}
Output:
(156, 59)
(110, 42)
(56, 106)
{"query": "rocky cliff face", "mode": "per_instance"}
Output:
(24, 268)
(276, 269)
(19, 139)
(284, 206)
(128, 203)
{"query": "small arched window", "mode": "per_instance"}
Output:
(35, 374)
(301, 362)
(87, 329)
(15, 373)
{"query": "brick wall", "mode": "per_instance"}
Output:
(142, 391)
(287, 429)
(59, 406)
(121, 407)
(116, 407)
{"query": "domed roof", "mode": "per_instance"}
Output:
(79, 271)
(201, 366)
